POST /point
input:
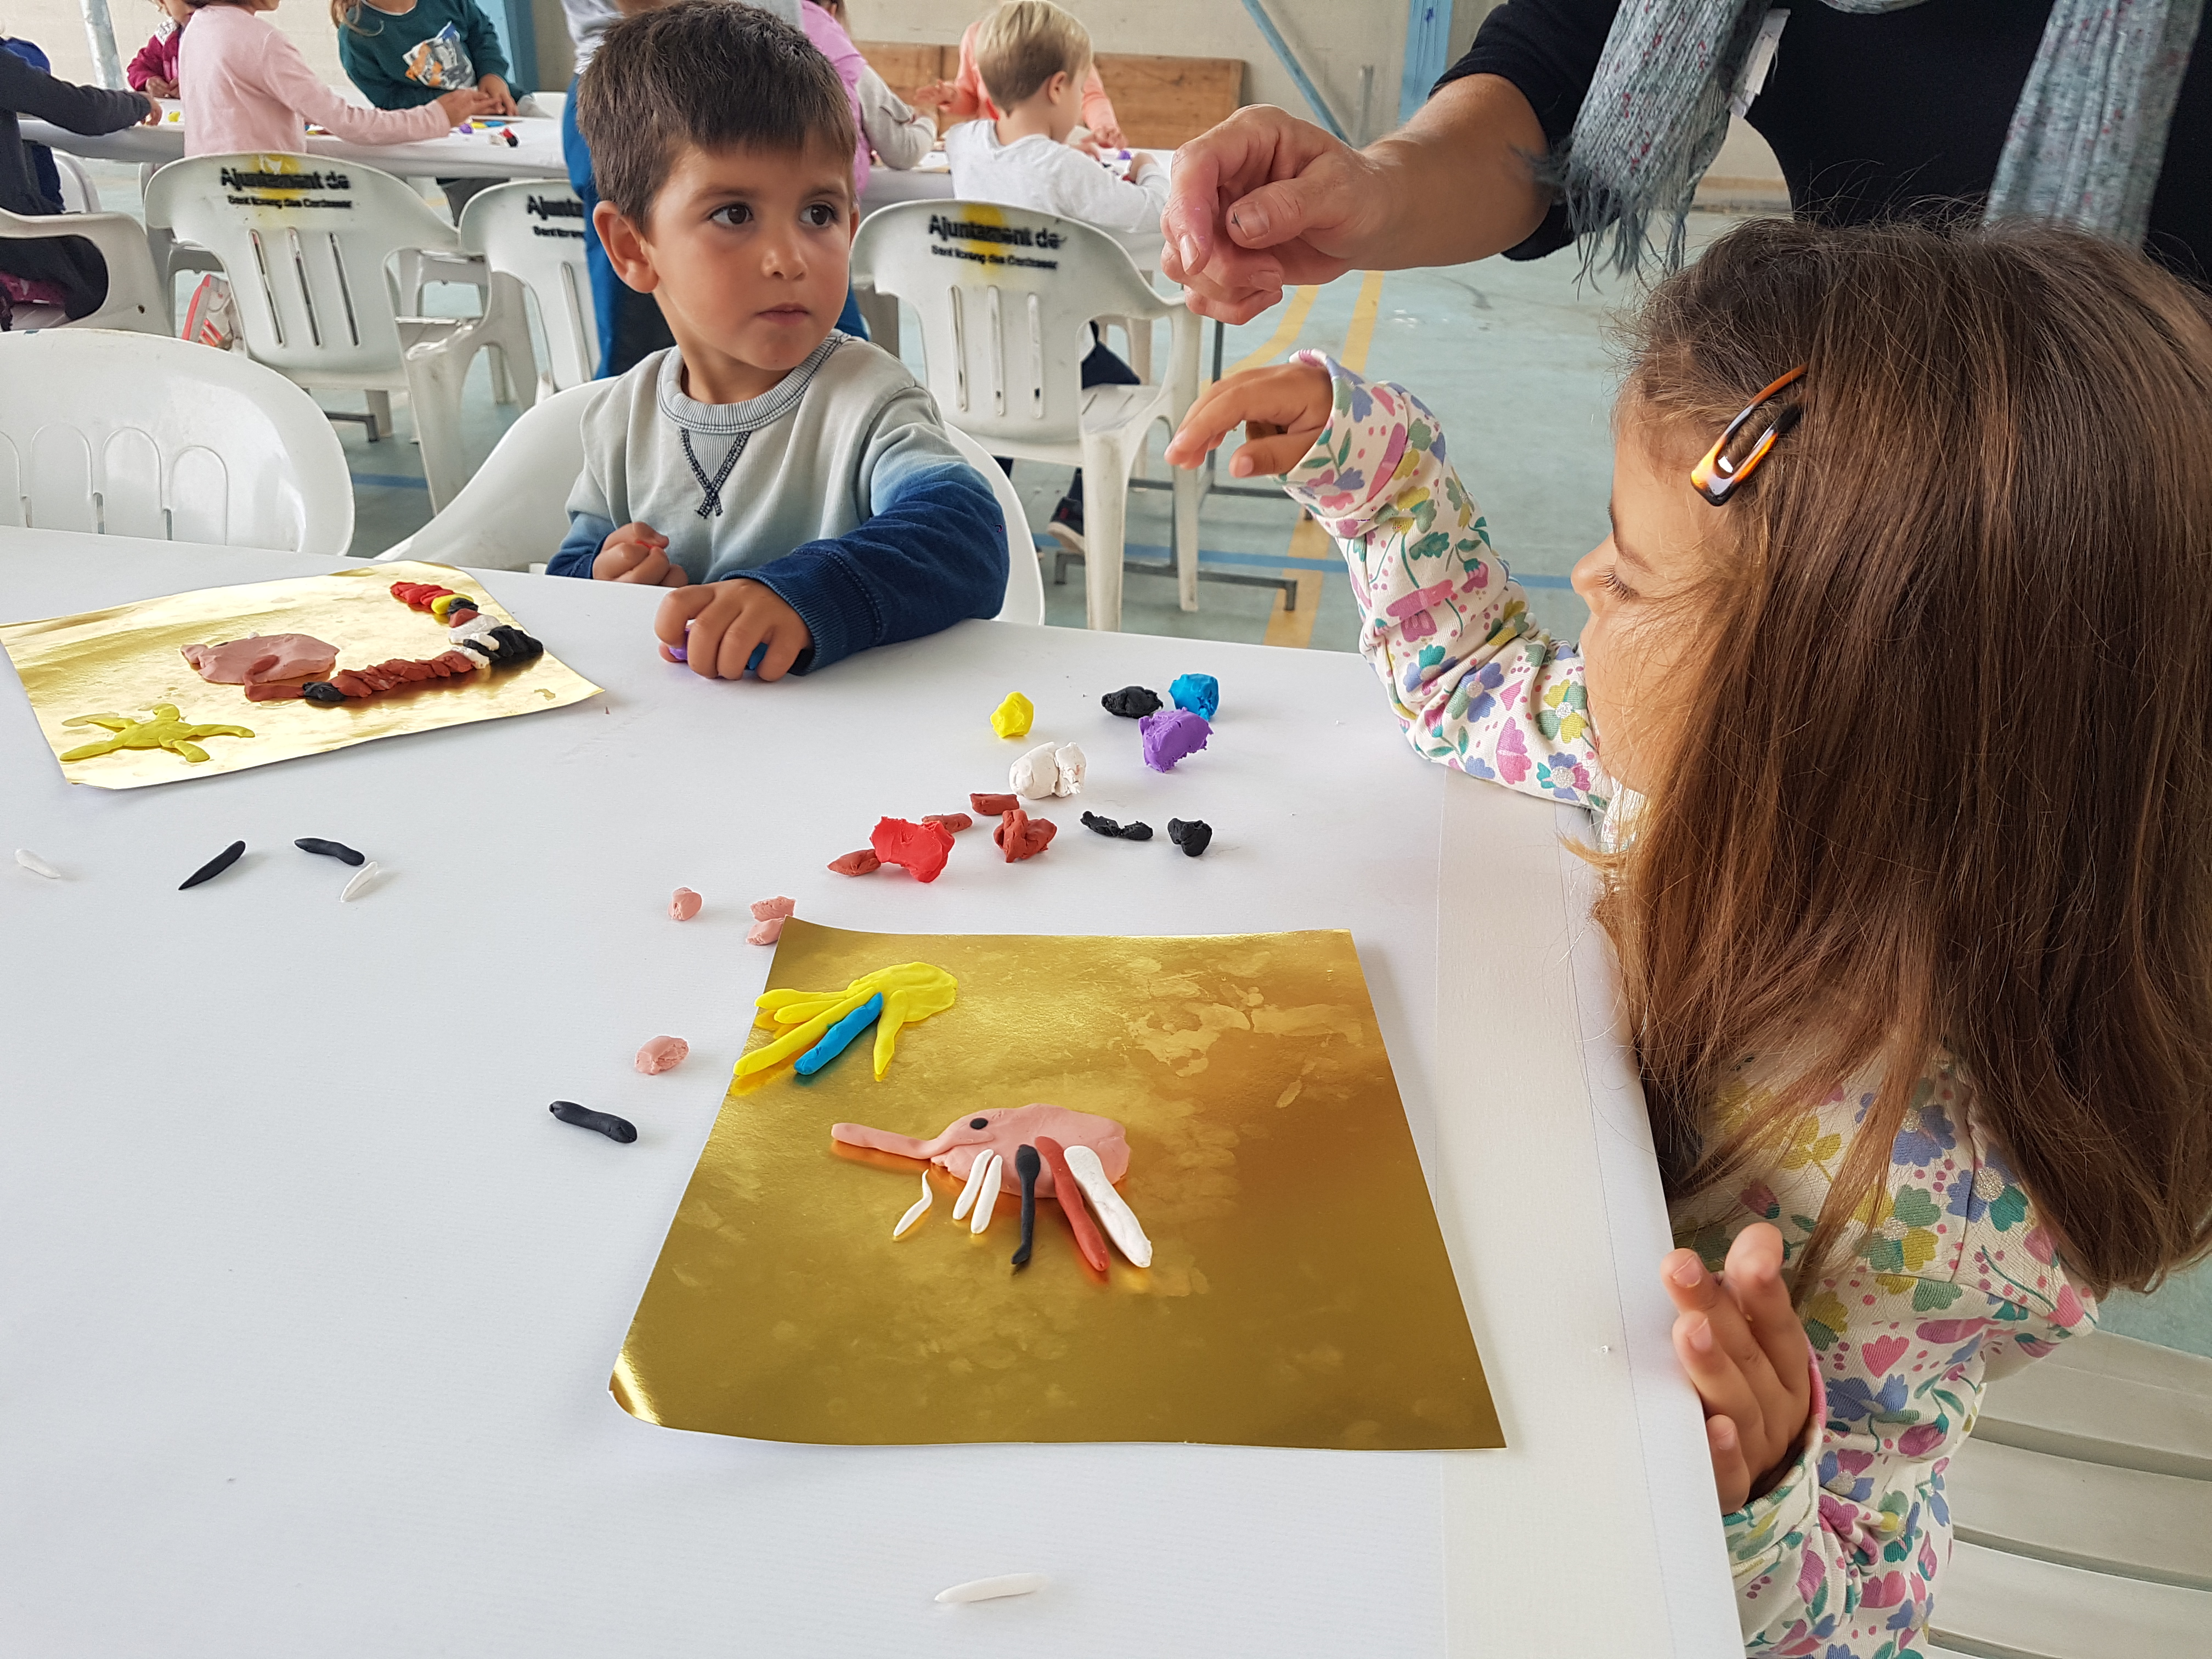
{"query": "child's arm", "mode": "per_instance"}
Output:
(1476, 683)
(285, 76)
(931, 552)
(146, 66)
(372, 72)
(1098, 111)
(897, 132)
(87, 110)
(1093, 194)
(481, 40)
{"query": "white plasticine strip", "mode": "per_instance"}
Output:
(990, 1590)
(1113, 1212)
(920, 1208)
(987, 1196)
(35, 865)
(967, 1199)
(362, 879)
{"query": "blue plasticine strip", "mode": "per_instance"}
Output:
(838, 1037)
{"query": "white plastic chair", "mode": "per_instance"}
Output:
(514, 514)
(133, 294)
(134, 435)
(79, 193)
(1003, 294)
(306, 262)
(534, 230)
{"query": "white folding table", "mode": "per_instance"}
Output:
(310, 1308)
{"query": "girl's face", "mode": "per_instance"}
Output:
(176, 11)
(1644, 645)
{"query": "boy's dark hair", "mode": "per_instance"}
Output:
(714, 73)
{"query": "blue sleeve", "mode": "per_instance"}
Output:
(482, 40)
(579, 546)
(935, 554)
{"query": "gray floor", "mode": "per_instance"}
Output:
(1514, 361)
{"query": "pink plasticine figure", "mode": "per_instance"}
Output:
(1002, 1132)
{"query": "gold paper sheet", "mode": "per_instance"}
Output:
(125, 659)
(1299, 1293)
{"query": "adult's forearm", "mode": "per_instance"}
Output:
(1459, 179)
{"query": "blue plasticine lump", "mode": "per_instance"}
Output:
(1199, 693)
(835, 1040)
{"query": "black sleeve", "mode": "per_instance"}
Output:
(88, 110)
(1548, 49)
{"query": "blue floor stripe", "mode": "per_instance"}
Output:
(390, 480)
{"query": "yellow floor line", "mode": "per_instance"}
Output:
(1285, 335)
(1309, 541)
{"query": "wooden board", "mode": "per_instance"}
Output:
(1162, 101)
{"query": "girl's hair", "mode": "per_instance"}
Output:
(1946, 778)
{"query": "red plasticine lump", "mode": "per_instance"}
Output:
(1021, 836)
(862, 863)
(993, 806)
(921, 847)
(955, 821)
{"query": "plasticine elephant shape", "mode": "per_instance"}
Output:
(1002, 1132)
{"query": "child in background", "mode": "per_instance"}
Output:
(403, 53)
(793, 486)
(1898, 704)
(965, 98)
(1033, 58)
(153, 69)
(248, 88)
(63, 277)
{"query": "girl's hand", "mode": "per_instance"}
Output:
(503, 100)
(1748, 1356)
(155, 86)
(729, 621)
(458, 107)
(1282, 411)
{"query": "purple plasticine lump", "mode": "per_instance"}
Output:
(1170, 735)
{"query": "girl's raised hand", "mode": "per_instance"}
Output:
(1282, 410)
(1748, 1356)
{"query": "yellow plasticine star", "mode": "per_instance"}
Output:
(167, 730)
(912, 991)
(1011, 718)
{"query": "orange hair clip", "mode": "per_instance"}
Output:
(1716, 477)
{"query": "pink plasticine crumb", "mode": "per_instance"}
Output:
(768, 916)
(663, 1053)
(683, 905)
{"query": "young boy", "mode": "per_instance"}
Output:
(1033, 59)
(791, 484)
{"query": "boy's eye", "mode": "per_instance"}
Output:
(736, 214)
(820, 215)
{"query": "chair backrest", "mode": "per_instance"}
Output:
(304, 239)
(1024, 600)
(1003, 294)
(79, 193)
(534, 230)
(513, 513)
(136, 434)
(134, 298)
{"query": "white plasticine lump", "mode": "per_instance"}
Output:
(366, 874)
(1113, 1212)
(35, 865)
(1069, 765)
(967, 1199)
(1035, 774)
(987, 1196)
(990, 1590)
(920, 1208)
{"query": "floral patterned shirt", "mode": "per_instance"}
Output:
(1944, 1281)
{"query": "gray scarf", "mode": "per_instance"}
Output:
(2086, 141)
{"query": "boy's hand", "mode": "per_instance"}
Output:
(458, 107)
(637, 553)
(502, 99)
(1282, 410)
(729, 620)
(152, 118)
(1748, 1356)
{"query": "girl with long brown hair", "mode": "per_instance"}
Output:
(1897, 702)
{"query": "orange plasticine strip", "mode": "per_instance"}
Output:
(1069, 1192)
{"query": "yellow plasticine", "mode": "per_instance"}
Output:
(1011, 718)
(167, 730)
(444, 603)
(911, 991)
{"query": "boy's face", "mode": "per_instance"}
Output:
(747, 251)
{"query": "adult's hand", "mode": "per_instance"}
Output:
(1264, 200)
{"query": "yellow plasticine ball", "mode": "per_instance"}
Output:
(1011, 718)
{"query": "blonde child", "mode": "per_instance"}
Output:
(153, 69)
(1900, 722)
(966, 98)
(247, 88)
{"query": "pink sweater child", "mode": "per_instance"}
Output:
(246, 87)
